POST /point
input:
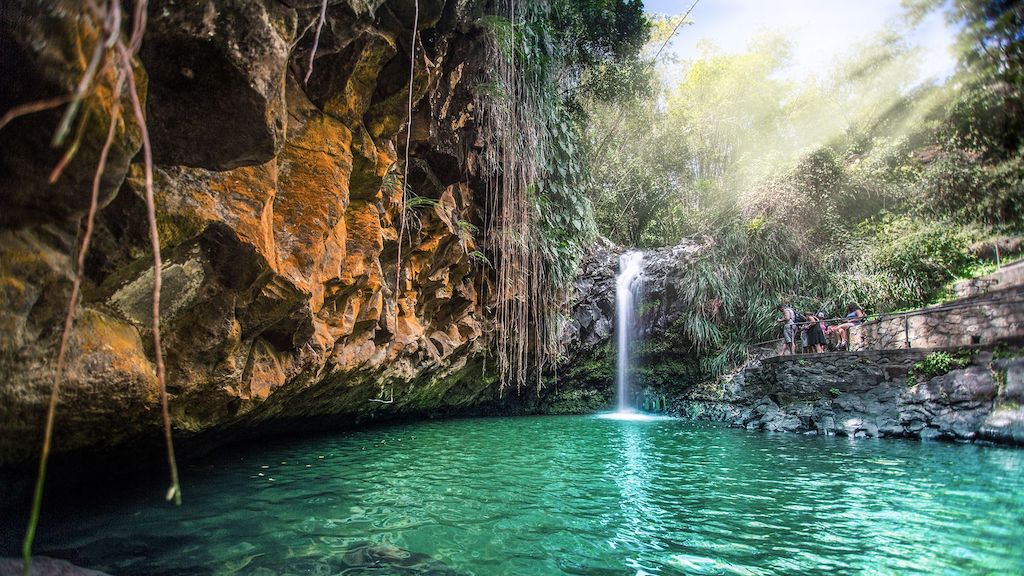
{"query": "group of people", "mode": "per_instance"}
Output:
(813, 332)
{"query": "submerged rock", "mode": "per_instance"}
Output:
(43, 566)
(372, 558)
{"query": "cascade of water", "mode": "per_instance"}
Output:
(627, 286)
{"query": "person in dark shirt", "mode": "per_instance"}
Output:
(816, 340)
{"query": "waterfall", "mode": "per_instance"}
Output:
(628, 285)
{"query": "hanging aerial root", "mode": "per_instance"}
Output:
(525, 319)
(110, 17)
(316, 40)
(71, 151)
(408, 139)
(69, 320)
(174, 492)
(32, 108)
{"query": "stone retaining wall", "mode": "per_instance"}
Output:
(1009, 276)
(817, 376)
(989, 321)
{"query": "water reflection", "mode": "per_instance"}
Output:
(633, 480)
(562, 496)
(632, 416)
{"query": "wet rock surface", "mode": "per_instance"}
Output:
(216, 81)
(45, 567)
(872, 394)
(46, 47)
(593, 303)
(588, 363)
(284, 305)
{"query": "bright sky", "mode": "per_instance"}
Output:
(820, 29)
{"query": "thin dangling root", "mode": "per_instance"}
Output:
(32, 108)
(71, 151)
(111, 24)
(316, 40)
(69, 320)
(174, 492)
(408, 138)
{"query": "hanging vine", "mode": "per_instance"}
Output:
(538, 221)
(510, 117)
(408, 140)
(110, 54)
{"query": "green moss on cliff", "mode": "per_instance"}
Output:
(575, 401)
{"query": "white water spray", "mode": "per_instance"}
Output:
(628, 285)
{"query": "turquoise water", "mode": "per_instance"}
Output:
(567, 495)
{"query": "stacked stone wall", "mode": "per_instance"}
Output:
(990, 319)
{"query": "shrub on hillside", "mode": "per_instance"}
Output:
(906, 261)
(957, 185)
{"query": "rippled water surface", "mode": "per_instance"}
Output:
(568, 495)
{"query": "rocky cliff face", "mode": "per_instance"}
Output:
(278, 205)
(593, 302)
(588, 364)
(874, 394)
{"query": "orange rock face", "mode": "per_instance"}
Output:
(284, 304)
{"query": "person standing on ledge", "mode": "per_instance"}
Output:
(788, 328)
(816, 340)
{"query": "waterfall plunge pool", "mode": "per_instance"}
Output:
(563, 495)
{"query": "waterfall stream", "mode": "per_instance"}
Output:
(628, 285)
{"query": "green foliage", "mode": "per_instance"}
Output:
(939, 363)
(479, 257)
(538, 54)
(990, 40)
(855, 187)
(979, 174)
(667, 373)
(600, 42)
(813, 167)
(815, 199)
(594, 370)
(564, 212)
(1000, 378)
(1008, 405)
(905, 262)
(651, 347)
(729, 296)
(862, 185)
(576, 401)
(1004, 352)
(467, 227)
(647, 306)
(956, 185)
(414, 202)
(564, 51)
(502, 30)
(834, 391)
(495, 90)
